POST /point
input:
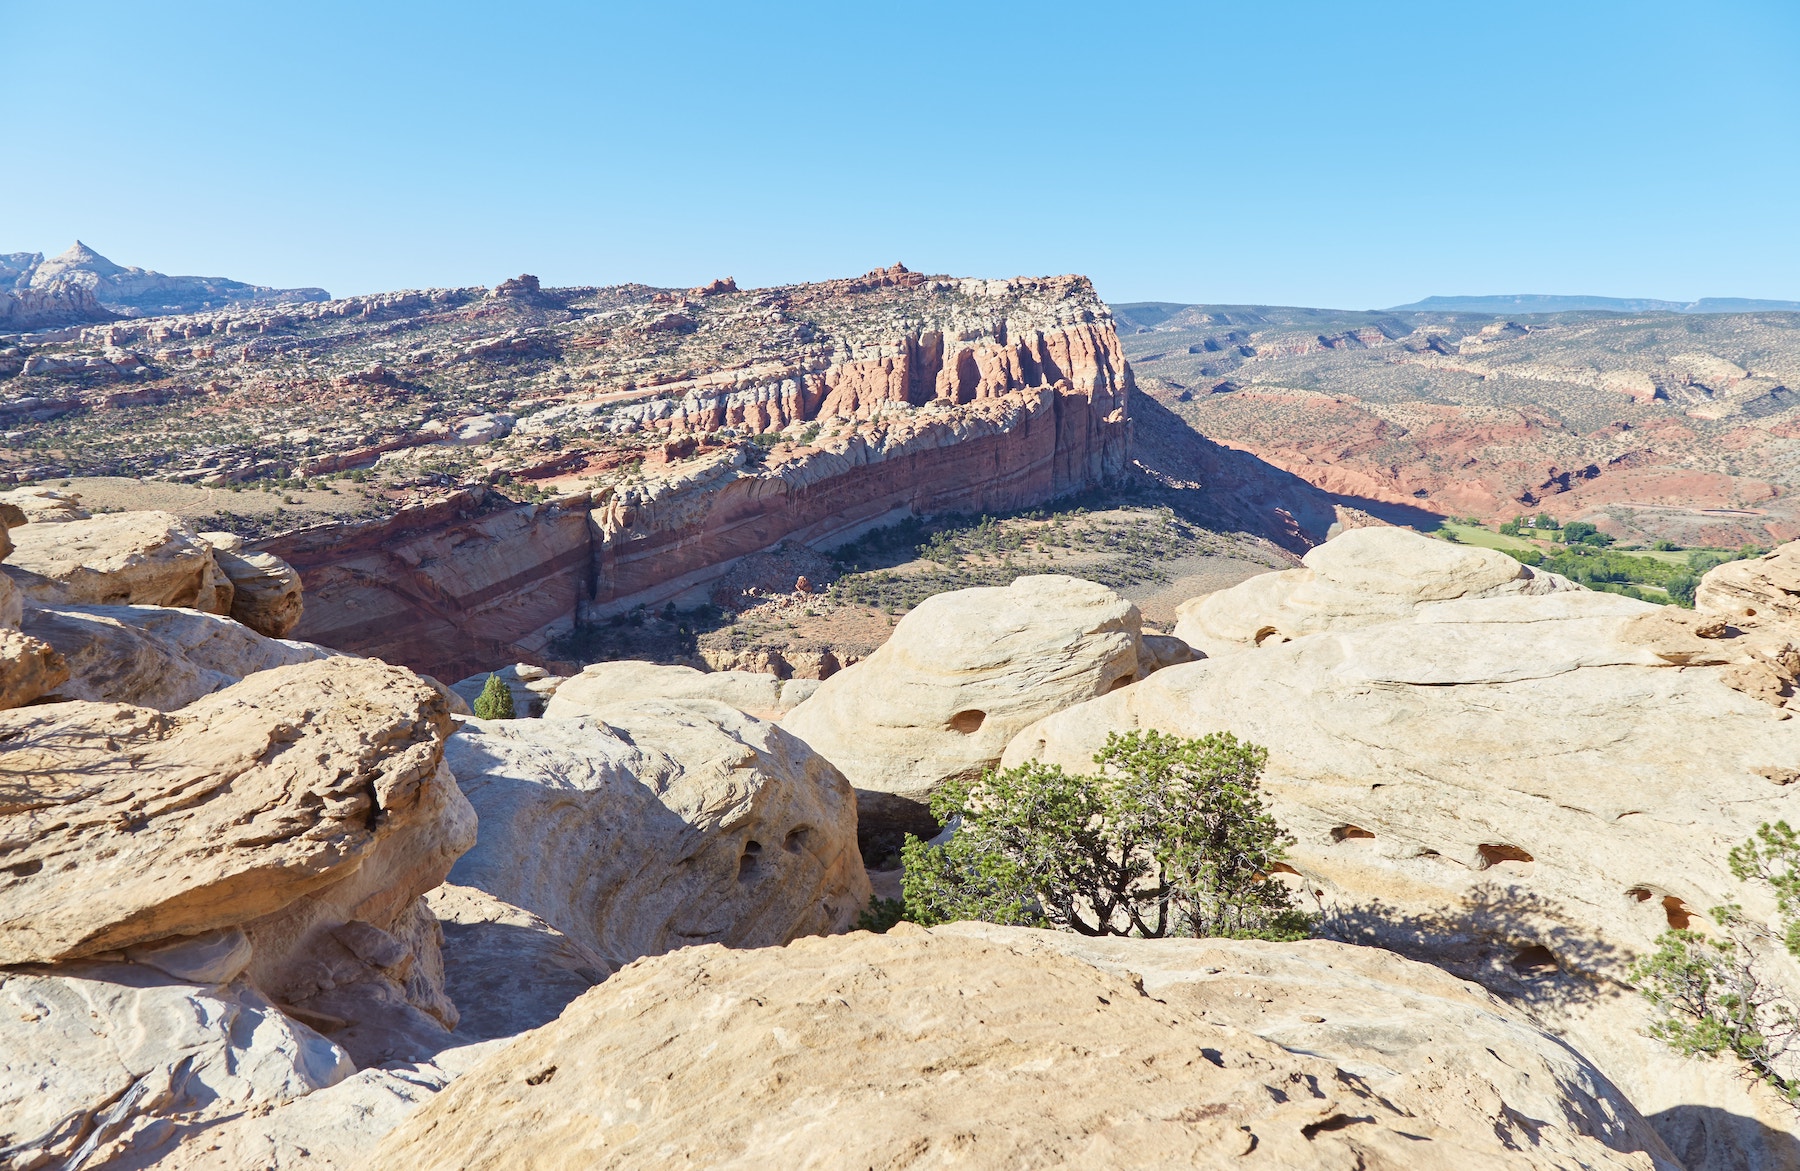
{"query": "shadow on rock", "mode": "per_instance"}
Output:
(1508, 940)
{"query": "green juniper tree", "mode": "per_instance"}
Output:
(1713, 994)
(495, 701)
(1170, 837)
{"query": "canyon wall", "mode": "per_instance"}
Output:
(1002, 420)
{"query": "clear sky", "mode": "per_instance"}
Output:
(1352, 154)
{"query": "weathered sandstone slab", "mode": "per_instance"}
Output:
(156, 656)
(300, 794)
(1527, 789)
(603, 684)
(29, 668)
(1358, 578)
(265, 590)
(40, 506)
(332, 1129)
(115, 559)
(961, 674)
(927, 1048)
(1766, 587)
(111, 1064)
(660, 824)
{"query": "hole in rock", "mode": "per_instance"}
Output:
(538, 1079)
(1493, 853)
(747, 862)
(24, 869)
(1121, 681)
(968, 722)
(1536, 960)
(1677, 913)
(1283, 868)
(1267, 633)
(796, 839)
(1345, 833)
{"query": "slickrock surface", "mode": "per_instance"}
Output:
(265, 590)
(659, 824)
(104, 1064)
(961, 674)
(602, 684)
(156, 656)
(930, 1048)
(1527, 789)
(117, 559)
(1450, 1051)
(1359, 578)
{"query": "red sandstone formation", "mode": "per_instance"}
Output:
(997, 404)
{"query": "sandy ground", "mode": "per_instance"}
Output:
(192, 503)
(1189, 577)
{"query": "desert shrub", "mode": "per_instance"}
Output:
(1713, 994)
(1170, 837)
(495, 701)
(880, 914)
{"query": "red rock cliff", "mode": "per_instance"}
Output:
(972, 415)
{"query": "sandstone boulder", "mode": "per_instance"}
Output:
(1358, 578)
(960, 675)
(265, 590)
(1526, 789)
(307, 806)
(531, 687)
(115, 559)
(156, 656)
(921, 1048)
(1766, 587)
(40, 506)
(602, 684)
(660, 824)
(29, 668)
(111, 1064)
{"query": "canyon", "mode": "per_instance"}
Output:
(481, 471)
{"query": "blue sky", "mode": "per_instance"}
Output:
(1346, 154)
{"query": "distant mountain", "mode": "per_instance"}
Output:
(1541, 303)
(81, 286)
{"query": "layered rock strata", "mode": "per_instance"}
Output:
(990, 403)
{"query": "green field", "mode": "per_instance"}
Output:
(1655, 575)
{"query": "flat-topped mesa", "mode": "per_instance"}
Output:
(894, 394)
